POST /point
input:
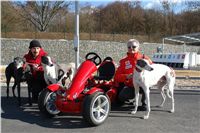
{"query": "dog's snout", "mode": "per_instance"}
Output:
(151, 69)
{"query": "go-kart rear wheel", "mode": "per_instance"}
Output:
(96, 108)
(46, 103)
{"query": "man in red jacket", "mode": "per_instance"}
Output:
(33, 58)
(124, 73)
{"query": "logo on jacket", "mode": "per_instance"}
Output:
(128, 65)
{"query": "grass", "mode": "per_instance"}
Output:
(186, 73)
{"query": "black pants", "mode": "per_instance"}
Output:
(126, 93)
(37, 84)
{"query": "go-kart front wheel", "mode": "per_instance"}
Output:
(96, 108)
(46, 103)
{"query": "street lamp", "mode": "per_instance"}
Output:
(76, 35)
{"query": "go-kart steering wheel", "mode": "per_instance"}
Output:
(94, 58)
(108, 59)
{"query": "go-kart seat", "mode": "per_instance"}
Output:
(106, 70)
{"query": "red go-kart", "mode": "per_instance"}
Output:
(90, 93)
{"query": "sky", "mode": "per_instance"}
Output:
(147, 4)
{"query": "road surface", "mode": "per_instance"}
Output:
(186, 118)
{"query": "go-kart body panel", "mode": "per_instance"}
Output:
(110, 90)
(69, 106)
(85, 71)
(112, 94)
(54, 87)
(74, 106)
(93, 90)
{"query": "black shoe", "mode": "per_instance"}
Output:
(34, 101)
(143, 108)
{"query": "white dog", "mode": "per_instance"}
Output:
(146, 76)
(69, 74)
(50, 75)
(53, 73)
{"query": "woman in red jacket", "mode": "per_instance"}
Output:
(33, 58)
(124, 73)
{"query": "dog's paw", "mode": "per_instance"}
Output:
(172, 111)
(145, 117)
(133, 112)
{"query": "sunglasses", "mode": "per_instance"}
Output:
(129, 47)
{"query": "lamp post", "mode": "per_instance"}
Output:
(76, 35)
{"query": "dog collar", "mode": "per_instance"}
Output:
(138, 69)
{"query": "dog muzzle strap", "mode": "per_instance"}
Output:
(138, 68)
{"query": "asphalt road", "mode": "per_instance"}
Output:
(186, 118)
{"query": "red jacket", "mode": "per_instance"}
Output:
(126, 67)
(35, 61)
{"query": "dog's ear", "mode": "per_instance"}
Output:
(45, 60)
(141, 63)
(15, 59)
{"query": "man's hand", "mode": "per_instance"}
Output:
(35, 67)
(129, 76)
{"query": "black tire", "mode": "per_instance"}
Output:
(46, 103)
(96, 108)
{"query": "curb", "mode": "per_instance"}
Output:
(196, 78)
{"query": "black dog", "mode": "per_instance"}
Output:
(21, 73)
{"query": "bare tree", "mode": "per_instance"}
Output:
(120, 17)
(151, 22)
(40, 13)
(9, 20)
(193, 4)
(86, 18)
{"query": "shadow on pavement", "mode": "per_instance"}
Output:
(31, 114)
